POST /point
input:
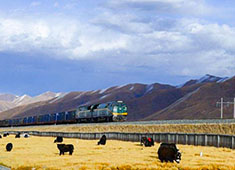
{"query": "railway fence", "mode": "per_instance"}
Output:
(216, 140)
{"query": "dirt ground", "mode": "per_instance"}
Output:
(42, 153)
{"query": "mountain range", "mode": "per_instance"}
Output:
(8, 101)
(195, 99)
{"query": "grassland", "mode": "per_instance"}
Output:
(183, 128)
(42, 153)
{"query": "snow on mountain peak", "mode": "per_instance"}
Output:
(208, 78)
(205, 79)
(223, 79)
(22, 99)
(103, 90)
(132, 87)
(25, 96)
(149, 88)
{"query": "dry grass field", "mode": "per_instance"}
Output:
(228, 129)
(42, 153)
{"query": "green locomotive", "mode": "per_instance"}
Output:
(110, 111)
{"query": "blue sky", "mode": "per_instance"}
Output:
(76, 45)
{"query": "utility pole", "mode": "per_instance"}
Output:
(234, 108)
(221, 103)
(221, 108)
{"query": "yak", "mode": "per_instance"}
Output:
(102, 140)
(5, 134)
(9, 147)
(65, 148)
(58, 139)
(17, 135)
(147, 142)
(169, 152)
(26, 135)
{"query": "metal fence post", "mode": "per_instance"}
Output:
(232, 147)
(205, 140)
(176, 138)
(196, 142)
(218, 140)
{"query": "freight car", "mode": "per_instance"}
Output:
(111, 111)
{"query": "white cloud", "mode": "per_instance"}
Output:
(26, 35)
(179, 46)
(213, 35)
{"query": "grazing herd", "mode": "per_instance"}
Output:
(9, 146)
(166, 151)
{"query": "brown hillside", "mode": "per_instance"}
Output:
(201, 104)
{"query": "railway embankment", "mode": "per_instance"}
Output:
(206, 128)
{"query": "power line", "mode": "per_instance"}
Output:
(222, 103)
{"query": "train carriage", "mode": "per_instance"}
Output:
(70, 116)
(53, 118)
(110, 111)
(30, 120)
(60, 117)
(25, 121)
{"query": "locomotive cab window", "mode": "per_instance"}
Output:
(115, 109)
(124, 109)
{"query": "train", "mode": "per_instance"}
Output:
(103, 112)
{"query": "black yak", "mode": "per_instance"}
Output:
(102, 140)
(26, 135)
(9, 147)
(58, 139)
(17, 135)
(147, 142)
(65, 148)
(5, 134)
(169, 152)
